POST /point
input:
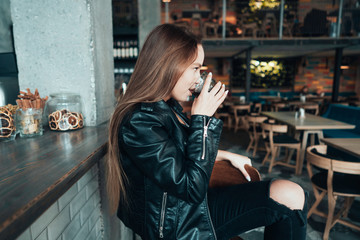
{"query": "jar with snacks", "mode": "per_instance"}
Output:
(30, 112)
(7, 122)
(30, 122)
(64, 111)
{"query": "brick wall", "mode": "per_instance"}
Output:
(81, 213)
(75, 215)
(318, 73)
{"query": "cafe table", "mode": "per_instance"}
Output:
(310, 124)
(348, 145)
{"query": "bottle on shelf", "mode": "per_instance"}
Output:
(122, 49)
(131, 49)
(127, 53)
(135, 49)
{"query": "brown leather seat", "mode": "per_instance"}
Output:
(225, 174)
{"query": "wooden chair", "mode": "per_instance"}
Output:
(257, 107)
(255, 131)
(182, 24)
(288, 27)
(311, 108)
(247, 27)
(240, 111)
(213, 26)
(223, 113)
(335, 178)
(278, 106)
(275, 137)
(268, 26)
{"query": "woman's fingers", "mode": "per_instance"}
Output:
(217, 88)
(223, 96)
(207, 83)
(208, 102)
(246, 175)
(239, 162)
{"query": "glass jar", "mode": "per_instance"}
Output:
(64, 112)
(7, 125)
(29, 122)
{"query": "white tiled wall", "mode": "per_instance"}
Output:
(75, 215)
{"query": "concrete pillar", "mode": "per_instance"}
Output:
(5, 24)
(149, 12)
(66, 46)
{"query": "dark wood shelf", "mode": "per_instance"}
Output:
(35, 172)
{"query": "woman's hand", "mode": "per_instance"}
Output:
(208, 102)
(238, 161)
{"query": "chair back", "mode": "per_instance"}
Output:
(257, 107)
(256, 118)
(316, 159)
(241, 108)
(238, 108)
(330, 164)
(269, 129)
(311, 108)
(254, 121)
(274, 128)
(278, 106)
(328, 183)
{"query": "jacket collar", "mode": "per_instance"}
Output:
(170, 104)
(175, 105)
(149, 106)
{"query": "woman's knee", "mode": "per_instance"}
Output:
(287, 193)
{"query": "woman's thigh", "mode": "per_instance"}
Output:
(239, 208)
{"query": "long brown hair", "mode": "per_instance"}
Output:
(166, 53)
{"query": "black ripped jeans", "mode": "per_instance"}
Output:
(237, 209)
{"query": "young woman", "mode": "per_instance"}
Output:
(160, 162)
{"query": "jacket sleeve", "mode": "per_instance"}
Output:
(147, 141)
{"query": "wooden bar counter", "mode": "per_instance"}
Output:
(35, 172)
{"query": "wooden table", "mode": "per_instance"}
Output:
(311, 124)
(348, 145)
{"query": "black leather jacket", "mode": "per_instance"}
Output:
(168, 166)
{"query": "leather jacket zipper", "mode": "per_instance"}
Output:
(162, 215)
(212, 226)
(206, 126)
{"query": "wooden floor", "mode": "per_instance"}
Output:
(237, 142)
